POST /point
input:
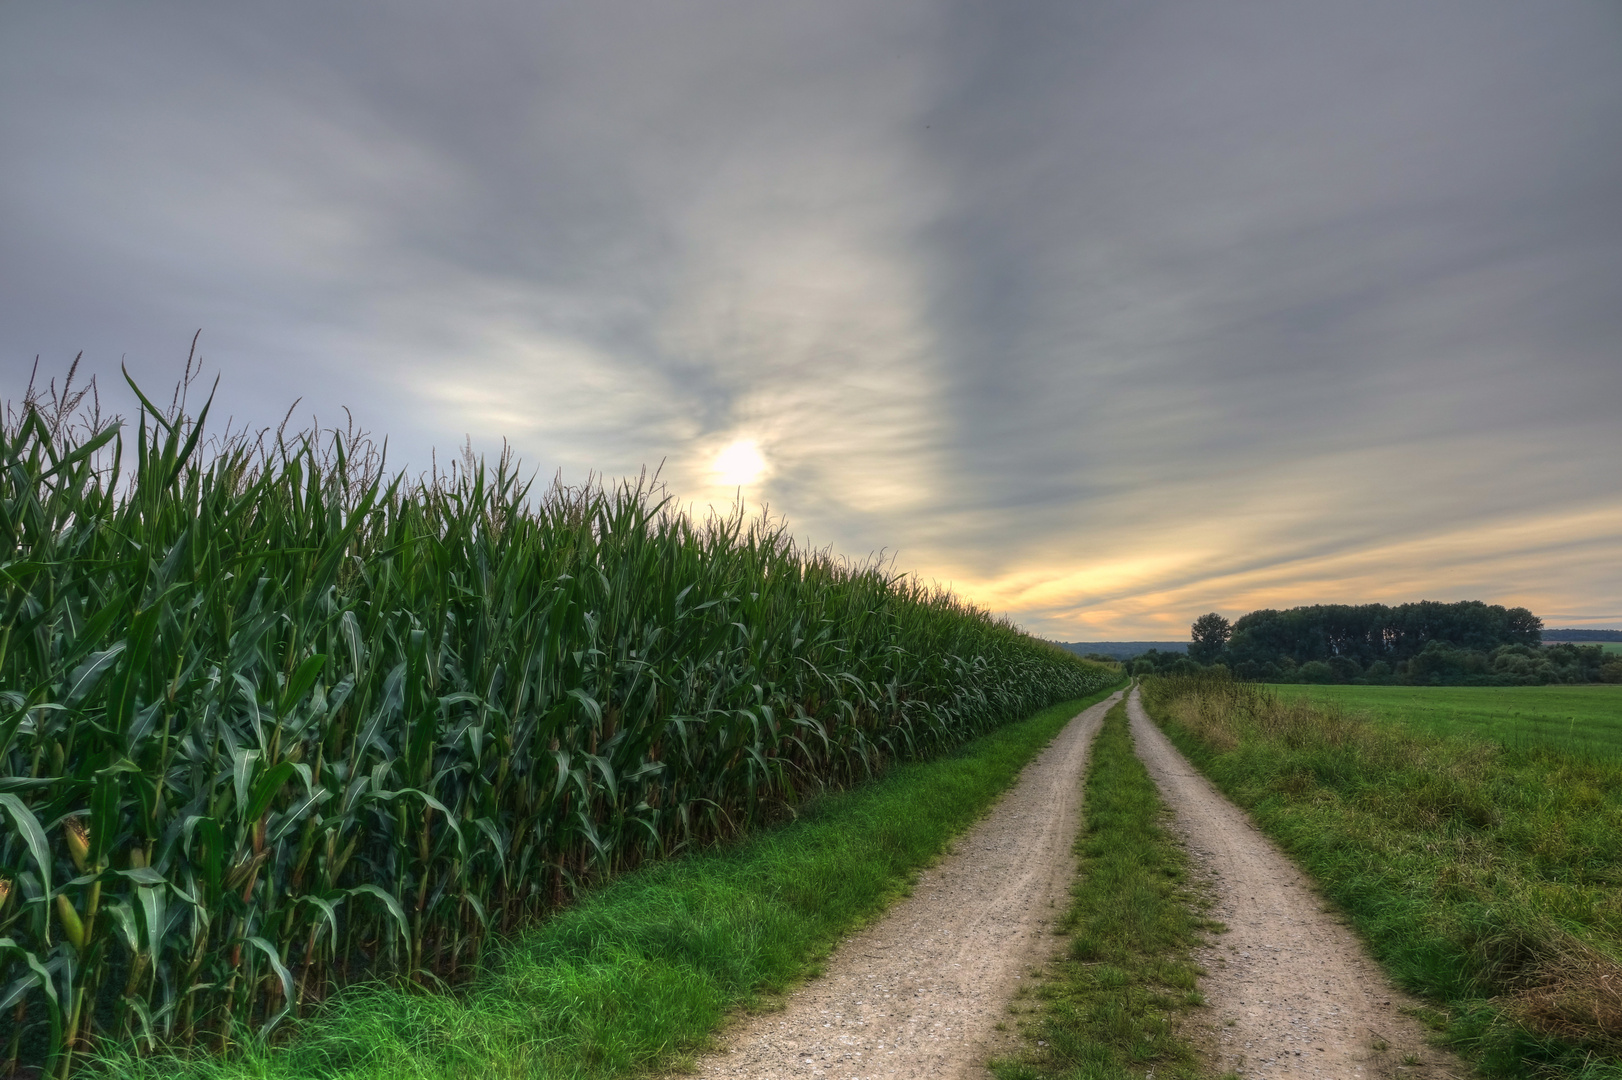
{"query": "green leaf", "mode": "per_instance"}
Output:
(43, 979)
(124, 919)
(83, 680)
(154, 905)
(242, 769)
(286, 976)
(143, 875)
(266, 788)
(389, 902)
(330, 910)
(143, 629)
(300, 683)
(33, 836)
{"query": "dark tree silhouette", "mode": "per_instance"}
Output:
(1210, 638)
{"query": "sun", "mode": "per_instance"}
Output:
(740, 464)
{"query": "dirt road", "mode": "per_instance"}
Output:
(920, 992)
(1292, 992)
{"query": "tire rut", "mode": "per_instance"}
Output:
(919, 992)
(1292, 992)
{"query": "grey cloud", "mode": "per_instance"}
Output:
(1012, 288)
(1196, 237)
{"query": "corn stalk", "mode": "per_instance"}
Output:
(272, 720)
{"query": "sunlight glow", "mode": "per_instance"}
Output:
(740, 464)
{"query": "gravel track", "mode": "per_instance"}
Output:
(1291, 990)
(919, 992)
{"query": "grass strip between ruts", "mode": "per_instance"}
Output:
(642, 971)
(1106, 1006)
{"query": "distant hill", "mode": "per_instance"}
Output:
(1582, 635)
(1122, 650)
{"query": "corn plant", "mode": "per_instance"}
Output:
(272, 720)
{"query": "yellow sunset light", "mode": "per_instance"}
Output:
(740, 464)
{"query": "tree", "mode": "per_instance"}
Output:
(1210, 638)
(1521, 627)
(1367, 633)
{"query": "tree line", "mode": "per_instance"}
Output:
(1428, 642)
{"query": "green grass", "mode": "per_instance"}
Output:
(1107, 1005)
(644, 969)
(1578, 719)
(1486, 877)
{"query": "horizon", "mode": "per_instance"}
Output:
(1103, 316)
(1173, 641)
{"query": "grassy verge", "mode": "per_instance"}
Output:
(1581, 720)
(642, 971)
(1107, 1005)
(1487, 878)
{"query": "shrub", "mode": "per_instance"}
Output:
(1315, 671)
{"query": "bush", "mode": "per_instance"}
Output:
(1345, 668)
(1315, 671)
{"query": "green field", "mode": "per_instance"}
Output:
(1611, 648)
(1581, 719)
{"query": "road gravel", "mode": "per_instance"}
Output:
(919, 993)
(1291, 991)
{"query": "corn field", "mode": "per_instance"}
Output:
(271, 720)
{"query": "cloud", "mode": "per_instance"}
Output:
(1107, 314)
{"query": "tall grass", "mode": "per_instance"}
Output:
(273, 720)
(1486, 877)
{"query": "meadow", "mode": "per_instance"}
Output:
(1578, 719)
(1484, 875)
(275, 721)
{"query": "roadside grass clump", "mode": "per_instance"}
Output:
(642, 970)
(273, 721)
(1486, 877)
(1109, 1002)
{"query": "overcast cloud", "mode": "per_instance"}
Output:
(1107, 314)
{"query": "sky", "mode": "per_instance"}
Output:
(1104, 314)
